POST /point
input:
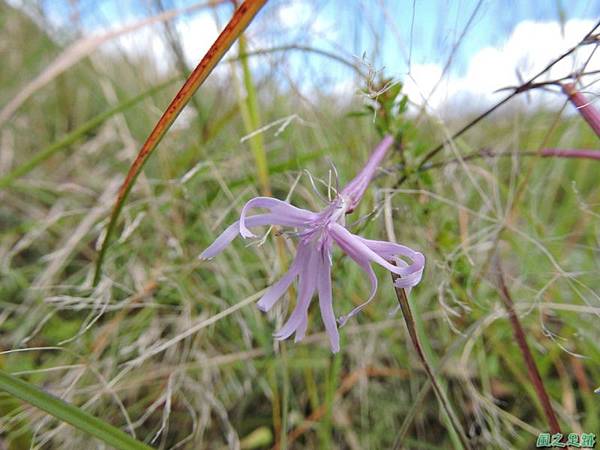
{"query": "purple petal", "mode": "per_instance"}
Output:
(357, 187)
(345, 239)
(276, 291)
(286, 214)
(407, 281)
(326, 304)
(306, 289)
(392, 252)
(411, 273)
(364, 263)
(301, 330)
(232, 231)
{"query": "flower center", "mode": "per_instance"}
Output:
(318, 231)
(336, 210)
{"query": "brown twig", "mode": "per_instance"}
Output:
(554, 82)
(587, 39)
(519, 333)
(544, 153)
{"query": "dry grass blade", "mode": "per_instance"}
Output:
(238, 23)
(82, 48)
(532, 370)
(439, 392)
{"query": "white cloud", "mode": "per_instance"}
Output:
(293, 14)
(144, 43)
(421, 81)
(301, 15)
(529, 48)
(197, 33)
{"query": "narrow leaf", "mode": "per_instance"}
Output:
(66, 412)
(75, 135)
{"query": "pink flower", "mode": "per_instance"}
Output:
(316, 234)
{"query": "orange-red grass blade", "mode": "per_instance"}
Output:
(238, 23)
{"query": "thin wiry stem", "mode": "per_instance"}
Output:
(575, 153)
(518, 90)
(555, 82)
(307, 49)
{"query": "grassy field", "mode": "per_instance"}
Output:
(172, 350)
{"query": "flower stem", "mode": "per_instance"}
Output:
(439, 392)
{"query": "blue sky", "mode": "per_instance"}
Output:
(493, 21)
(437, 23)
(505, 36)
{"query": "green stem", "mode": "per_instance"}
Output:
(251, 117)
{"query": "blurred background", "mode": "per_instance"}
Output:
(82, 83)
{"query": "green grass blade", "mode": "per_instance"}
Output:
(251, 117)
(75, 135)
(68, 413)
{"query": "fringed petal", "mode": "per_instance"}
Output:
(392, 252)
(302, 327)
(354, 190)
(346, 239)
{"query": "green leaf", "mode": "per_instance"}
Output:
(68, 413)
(358, 113)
